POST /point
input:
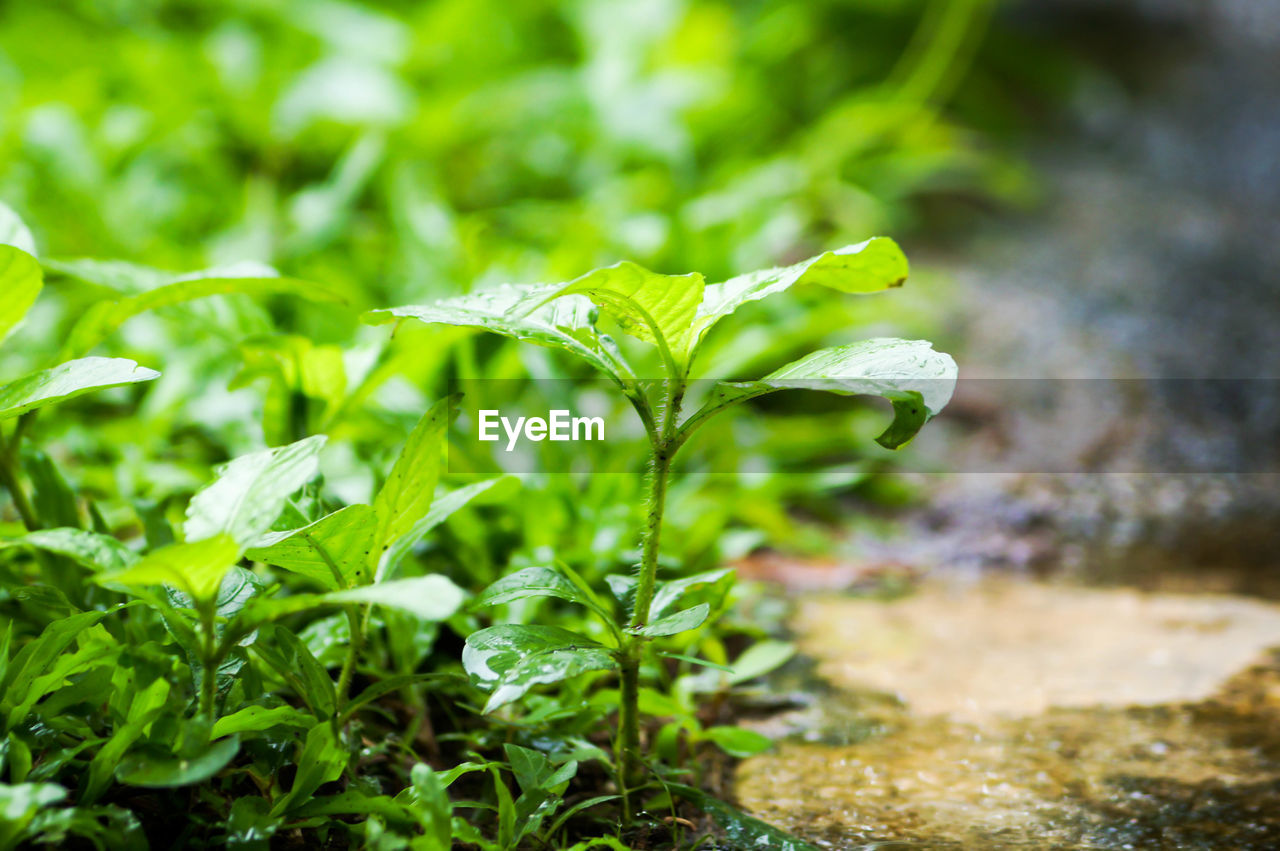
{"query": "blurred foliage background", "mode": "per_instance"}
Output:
(398, 152)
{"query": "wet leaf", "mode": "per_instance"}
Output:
(509, 659)
(346, 537)
(679, 622)
(917, 380)
(71, 379)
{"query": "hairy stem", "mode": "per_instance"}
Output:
(628, 747)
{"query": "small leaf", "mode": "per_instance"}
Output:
(195, 567)
(142, 770)
(564, 324)
(88, 549)
(20, 283)
(442, 506)
(651, 307)
(872, 266)
(529, 582)
(739, 742)
(71, 379)
(405, 497)
(286, 653)
(679, 622)
(512, 658)
(14, 232)
(916, 379)
(672, 590)
(255, 719)
(346, 536)
(430, 802)
(322, 761)
(155, 289)
(431, 598)
(250, 491)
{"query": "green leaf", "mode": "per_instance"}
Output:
(14, 232)
(740, 829)
(909, 373)
(143, 770)
(322, 761)
(431, 598)
(345, 536)
(672, 590)
(430, 803)
(88, 549)
(872, 266)
(21, 803)
(36, 656)
(289, 656)
(442, 506)
(156, 289)
(195, 567)
(71, 379)
(658, 309)
(739, 742)
(250, 491)
(679, 622)
(510, 659)
(564, 324)
(255, 719)
(20, 283)
(405, 497)
(529, 582)
(146, 706)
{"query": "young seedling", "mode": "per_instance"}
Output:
(673, 314)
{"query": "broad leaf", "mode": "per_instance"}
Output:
(346, 537)
(655, 308)
(20, 803)
(510, 659)
(681, 621)
(739, 742)
(20, 283)
(143, 770)
(405, 497)
(565, 323)
(14, 232)
(872, 266)
(431, 598)
(88, 549)
(917, 380)
(251, 490)
(529, 582)
(195, 567)
(71, 379)
(156, 289)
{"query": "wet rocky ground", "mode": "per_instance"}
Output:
(1085, 654)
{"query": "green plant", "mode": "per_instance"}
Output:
(671, 314)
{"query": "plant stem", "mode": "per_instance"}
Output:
(9, 476)
(628, 746)
(209, 683)
(354, 646)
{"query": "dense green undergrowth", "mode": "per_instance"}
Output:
(245, 600)
(266, 662)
